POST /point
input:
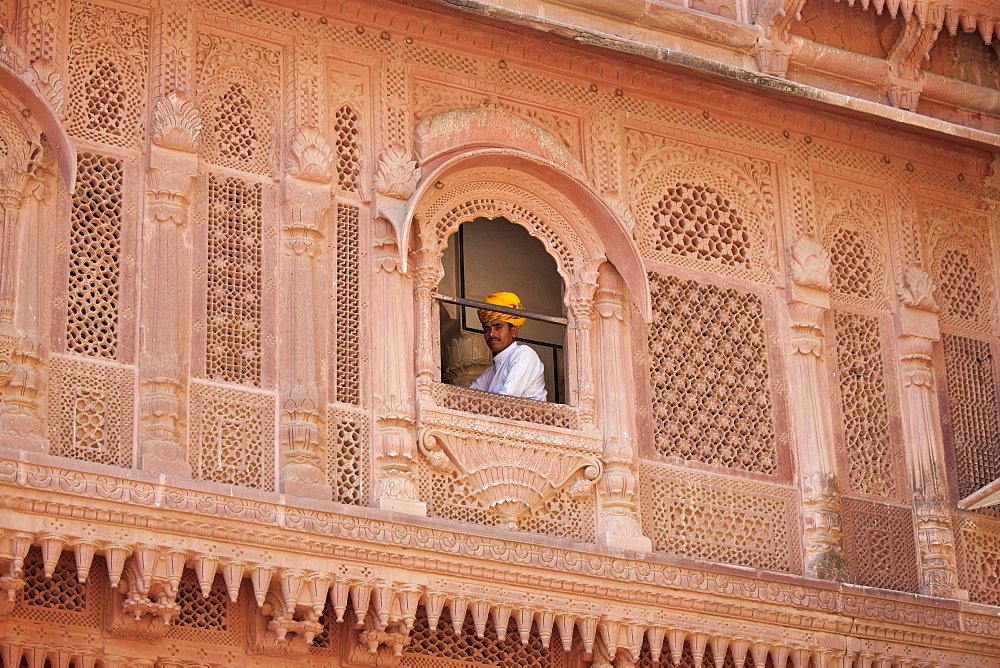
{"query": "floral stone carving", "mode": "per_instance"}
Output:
(509, 478)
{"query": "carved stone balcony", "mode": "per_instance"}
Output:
(514, 454)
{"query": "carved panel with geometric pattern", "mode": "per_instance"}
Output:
(879, 544)
(977, 542)
(864, 404)
(232, 436)
(721, 518)
(91, 410)
(109, 56)
(710, 380)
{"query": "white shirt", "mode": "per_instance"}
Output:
(517, 372)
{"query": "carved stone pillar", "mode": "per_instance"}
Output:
(917, 324)
(618, 524)
(394, 439)
(25, 258)
(427, 274)
(165, 321)
(581, 295)
(808, 305)
(302, 299)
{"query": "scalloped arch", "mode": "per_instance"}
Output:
(572, 219)
(42, 121)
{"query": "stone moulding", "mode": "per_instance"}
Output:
(511, 479)
(118, 515)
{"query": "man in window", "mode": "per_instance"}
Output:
(516, 370)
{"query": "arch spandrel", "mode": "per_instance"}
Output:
(40, 121)
(580, 226)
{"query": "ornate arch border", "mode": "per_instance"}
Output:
(44, 120)
(579, 218)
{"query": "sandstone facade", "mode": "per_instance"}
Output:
(224, 435)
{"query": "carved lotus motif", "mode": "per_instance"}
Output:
(176, 124)
(510, 479)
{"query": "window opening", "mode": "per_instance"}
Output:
(491, 255)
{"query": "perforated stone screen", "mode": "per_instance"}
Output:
(233, 341)
(697, 221)
(347, 140)
(347, 468)
(427, 648)
(879, 544)
(348, 305)
(95, 253)
(958, 292)
(978, 547)
(109, 53)
(856, 270)
(721, 518)
(709, 374)
(975, 418)
(864, 405)
(61, 601)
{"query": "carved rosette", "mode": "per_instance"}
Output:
(176, 123)
(513, 480)
(311, 156)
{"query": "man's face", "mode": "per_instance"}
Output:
(499, 334)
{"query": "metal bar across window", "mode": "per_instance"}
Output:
(530, 315)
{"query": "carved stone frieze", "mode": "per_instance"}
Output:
(509, 478)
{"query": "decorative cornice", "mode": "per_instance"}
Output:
(668, 583)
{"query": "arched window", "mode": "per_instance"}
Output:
(493, 255)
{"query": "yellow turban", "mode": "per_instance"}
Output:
(508, 299)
